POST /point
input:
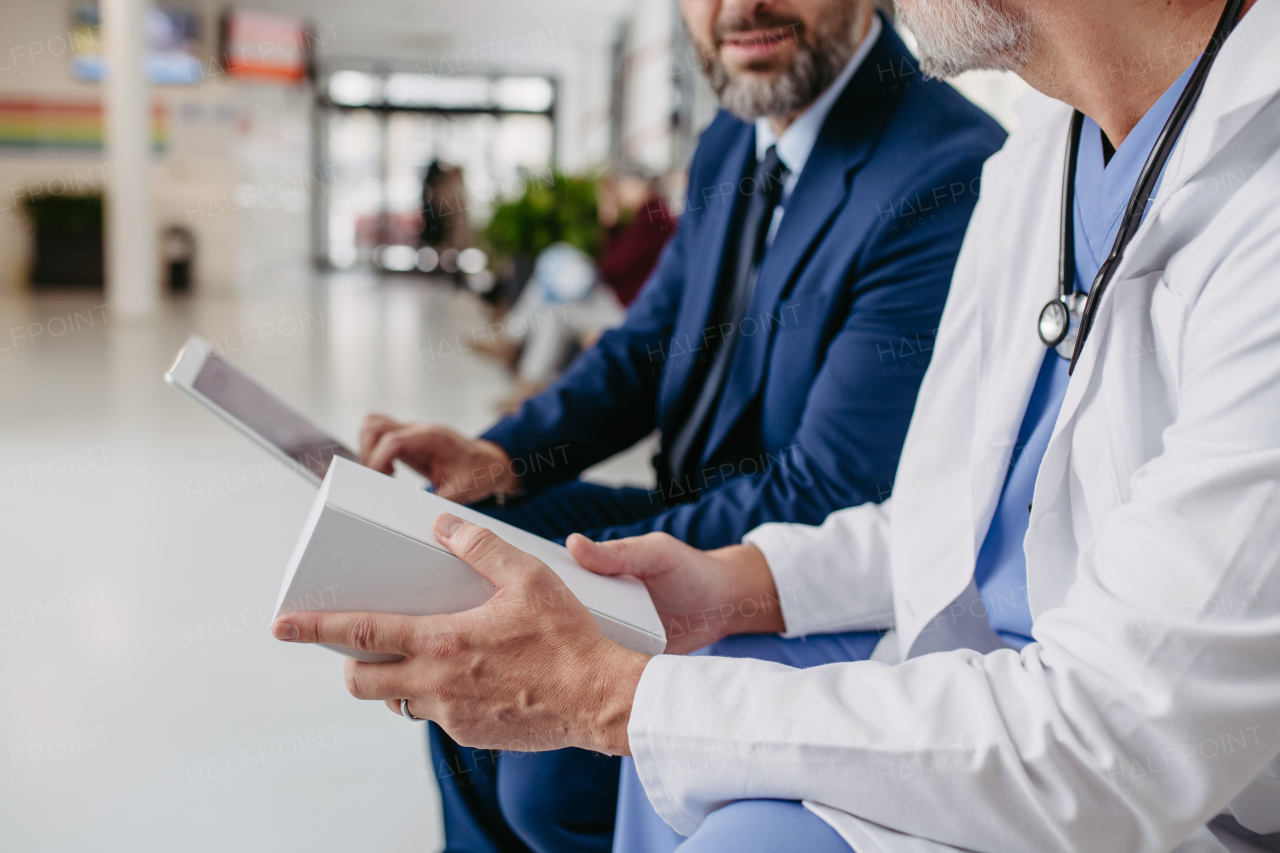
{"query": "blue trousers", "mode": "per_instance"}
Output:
(547, 802)
(640, 830)
(764, 826)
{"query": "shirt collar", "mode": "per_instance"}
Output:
(797, 141)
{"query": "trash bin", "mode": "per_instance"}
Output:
(178, 249)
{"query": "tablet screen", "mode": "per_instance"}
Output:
(258, 409)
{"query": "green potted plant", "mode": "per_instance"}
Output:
(551, 209)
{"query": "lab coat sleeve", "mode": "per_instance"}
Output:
(1149, 700)
(833, 577)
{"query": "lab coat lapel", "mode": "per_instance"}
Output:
(1008, 369)
(1243, 81)
(1050, 544)
(981, 376)
(1011, 352)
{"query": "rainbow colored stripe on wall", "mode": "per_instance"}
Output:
(31, 124)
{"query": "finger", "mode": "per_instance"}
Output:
(375, 425)
(388, 449)
(387, 633)
(394, 705)
(450, 474)
(388, 681)
(638, 556)
(369, 431)
(501, 563)
(595, 556)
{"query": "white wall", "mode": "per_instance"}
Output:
(582, 119)
(994, 91)
(277, 182)
(649, 94)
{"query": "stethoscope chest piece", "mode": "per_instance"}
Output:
(1060, 323)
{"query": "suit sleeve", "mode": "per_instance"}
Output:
(1147, 703)
(846, 447)
(607, 400)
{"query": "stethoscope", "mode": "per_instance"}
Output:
(1065, 322)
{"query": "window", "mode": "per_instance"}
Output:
(382, 131)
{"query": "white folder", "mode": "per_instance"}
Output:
(367, 545)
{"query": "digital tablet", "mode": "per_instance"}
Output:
(237, 398)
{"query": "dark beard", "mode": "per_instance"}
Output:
(821, 55)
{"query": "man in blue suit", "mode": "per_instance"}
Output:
(778, 346)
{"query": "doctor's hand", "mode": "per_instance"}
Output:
(702, 596)
(527, 670)
(461, 469)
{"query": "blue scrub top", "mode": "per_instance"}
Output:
(1102, 192)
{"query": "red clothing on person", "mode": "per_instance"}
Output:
(631, 251)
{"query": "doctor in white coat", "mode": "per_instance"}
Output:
(1126, 695)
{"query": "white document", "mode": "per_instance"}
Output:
(368, 546)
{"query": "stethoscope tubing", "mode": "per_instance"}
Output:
(1142, 191)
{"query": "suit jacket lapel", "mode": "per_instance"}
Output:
(706, 270)
(847, 140)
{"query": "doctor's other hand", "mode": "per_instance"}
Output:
(528, 670)
(461, 469)
(702, 596)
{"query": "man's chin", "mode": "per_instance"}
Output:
(758, 72)
(776, 59)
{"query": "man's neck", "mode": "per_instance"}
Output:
(782, 122)
(1114, 63)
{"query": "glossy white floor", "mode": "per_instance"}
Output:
(143, 705)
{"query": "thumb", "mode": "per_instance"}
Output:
(639, 556)
(501, 563)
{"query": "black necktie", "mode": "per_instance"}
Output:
(730, 308)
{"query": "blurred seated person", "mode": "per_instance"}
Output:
(637, 224)
(569, 301)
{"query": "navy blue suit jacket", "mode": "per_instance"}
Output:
(837, 336)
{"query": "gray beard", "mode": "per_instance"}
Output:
(955, 36)
(816, 67)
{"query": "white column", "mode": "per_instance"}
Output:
(133, 285)
(650, 90)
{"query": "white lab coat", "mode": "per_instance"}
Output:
(1150, 700)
